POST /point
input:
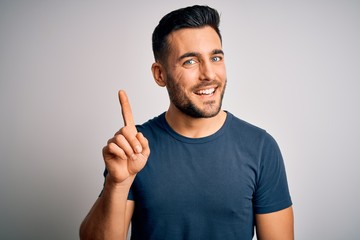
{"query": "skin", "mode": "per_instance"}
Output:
(124, 155)
(194, 65)
(275, 226)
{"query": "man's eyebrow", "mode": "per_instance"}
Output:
(196, 54)
(189, 54)
(218, 51)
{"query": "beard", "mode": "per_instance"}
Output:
(182, 102)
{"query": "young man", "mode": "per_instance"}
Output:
(210, 175)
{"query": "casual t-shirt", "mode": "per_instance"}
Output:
(207, 188)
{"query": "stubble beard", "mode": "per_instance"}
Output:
(186, 106)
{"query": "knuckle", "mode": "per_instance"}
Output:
(115, 151)
(118, 132)
(119, 138)
(128, 131)
(133, 141)
(124, 130)
(111, 147)
(110, 140)
(105, 149)
(147, 152)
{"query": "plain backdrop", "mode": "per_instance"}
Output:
(293, 69)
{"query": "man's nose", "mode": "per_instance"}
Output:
(207, 71)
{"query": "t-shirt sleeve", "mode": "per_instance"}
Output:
(272, 192)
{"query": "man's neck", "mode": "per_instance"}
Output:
(191, 127)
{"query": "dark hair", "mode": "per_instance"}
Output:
(189, 17)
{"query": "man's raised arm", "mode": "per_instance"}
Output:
(124, 155)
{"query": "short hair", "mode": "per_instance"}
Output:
(189, 17)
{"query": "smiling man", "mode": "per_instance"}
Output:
(210, 175)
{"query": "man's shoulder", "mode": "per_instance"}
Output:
(152, 126)
(243, 125)
(248, 131)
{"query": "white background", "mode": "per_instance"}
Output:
(293, 69)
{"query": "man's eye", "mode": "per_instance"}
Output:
(190, 62)
(216, 59)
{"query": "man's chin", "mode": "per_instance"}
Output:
(201, 113)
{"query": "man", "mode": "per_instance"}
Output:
(210, 175)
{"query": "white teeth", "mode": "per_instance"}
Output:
(206, 91)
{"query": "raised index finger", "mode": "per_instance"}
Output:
(126, 109)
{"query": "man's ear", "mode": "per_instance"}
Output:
(158, 74)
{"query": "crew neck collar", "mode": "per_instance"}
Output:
(209, 138)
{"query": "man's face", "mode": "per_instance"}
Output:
(195, 72)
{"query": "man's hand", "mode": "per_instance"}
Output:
(127, 152)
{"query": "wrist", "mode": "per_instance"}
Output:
(110, 184)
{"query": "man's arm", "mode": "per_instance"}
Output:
(275, 226)
(124, 155)
(110, 216)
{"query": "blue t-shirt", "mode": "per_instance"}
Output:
(207, 188)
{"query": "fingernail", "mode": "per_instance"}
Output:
(133, 157)
(138, 149)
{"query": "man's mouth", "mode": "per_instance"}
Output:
(205, 91)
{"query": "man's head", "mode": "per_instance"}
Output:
(189, 17)
(189, 61)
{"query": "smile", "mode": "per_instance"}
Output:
(206, 91)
